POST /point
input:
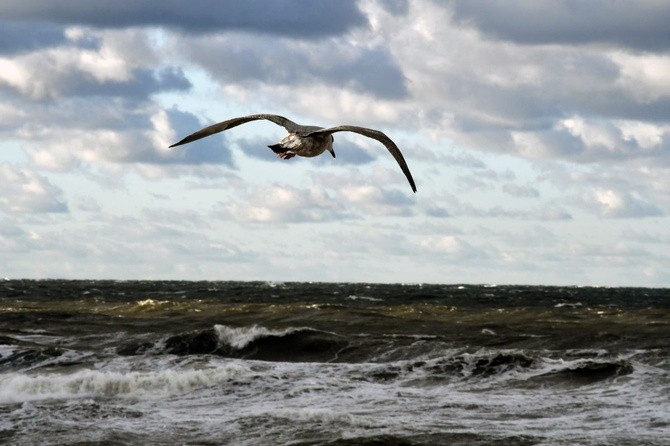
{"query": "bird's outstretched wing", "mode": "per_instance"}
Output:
(374, 134)
(230, 123)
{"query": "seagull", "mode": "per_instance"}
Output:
(304, 140)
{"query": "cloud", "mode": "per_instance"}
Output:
(452, 247)
(618, 254)
(285, 62)
(539, 22)
(329, 198)
(384, 185)
(121, 246)
(111, 64)
(378, 201)
(556, 213)
(525, 191)
(453, 206)
(508, 97)
(645, 237)
(295, 18)
(282, 203)
(644, 76)
(18, 37)
(12, 238)
(173, 125)
(137, 137)
(257, 148)
(438, 212)
(24, 191)
(348, 152)
(620, 204)
(483, 179)
(600, 139)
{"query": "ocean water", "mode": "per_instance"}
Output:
(251, 363)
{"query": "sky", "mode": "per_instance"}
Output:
(537, 131)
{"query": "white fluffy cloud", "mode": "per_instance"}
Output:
(281, 203)
(612, 203)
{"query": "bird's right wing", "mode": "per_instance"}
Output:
(234, 122)
(374, 134)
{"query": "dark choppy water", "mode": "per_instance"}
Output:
(205, 363)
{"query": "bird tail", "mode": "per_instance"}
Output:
(278, 148)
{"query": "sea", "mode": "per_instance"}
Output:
(272, 363)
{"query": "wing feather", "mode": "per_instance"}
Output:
(234, 122)
(377, 135)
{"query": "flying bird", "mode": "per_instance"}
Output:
(304, 140)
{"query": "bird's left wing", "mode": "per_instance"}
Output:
(234, 122)
(379, 136)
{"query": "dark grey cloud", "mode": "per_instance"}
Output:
(142, 84)
(315, 18)
(280, 62)
(78, 113)
(374, 71)
(257, 147)
(641, 25)
(579, 82)
(212, 150)
(348, 152)
(17, 37)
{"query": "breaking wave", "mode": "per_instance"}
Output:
(18, 387)
(251, 342)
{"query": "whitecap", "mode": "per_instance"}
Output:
(19, 387)
(240, 337)
(368, 298)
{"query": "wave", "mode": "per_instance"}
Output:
(19, 387)
(241, 337)
(583, 372)
(459, 366)
(250, 342)
(17, 355)
(451, 438)
(27, 358)
(514, 367)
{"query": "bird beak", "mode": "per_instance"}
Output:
(332, 152)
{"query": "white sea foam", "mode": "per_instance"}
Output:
(19, 387)
(323, 416)
(568, 304)
(240, 337)
(368, 298)
(293, 399)
(6, 350)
